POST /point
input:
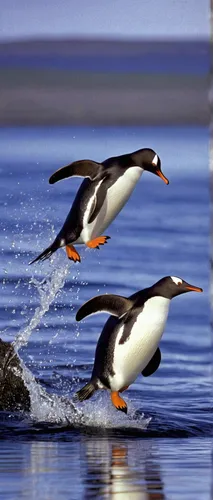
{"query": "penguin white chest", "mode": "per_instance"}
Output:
(117, 195)
(132, 356)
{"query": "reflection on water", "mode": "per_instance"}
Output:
(40, 467)
(85, 466)
(112, 470)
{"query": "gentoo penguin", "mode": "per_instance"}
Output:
(100, 198)
(128, 344)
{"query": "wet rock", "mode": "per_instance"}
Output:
(13, 393)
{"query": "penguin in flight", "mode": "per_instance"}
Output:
(128, 344)
(103, 193)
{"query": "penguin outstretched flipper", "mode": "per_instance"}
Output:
(153, 364)
(81, 168)
(111, 304)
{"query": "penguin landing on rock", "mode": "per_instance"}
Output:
(128, 344)
(101, 196)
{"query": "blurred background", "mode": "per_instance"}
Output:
(98, 63)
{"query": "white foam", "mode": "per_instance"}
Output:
(99, 412)
(96, 413)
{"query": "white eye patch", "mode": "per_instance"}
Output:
(177, 281)
(155, 160)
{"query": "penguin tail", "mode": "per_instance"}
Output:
(46, 254)
(86, 392)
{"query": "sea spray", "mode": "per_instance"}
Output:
(47, 289)
(53, 409)
(45, 407)
(49, 408)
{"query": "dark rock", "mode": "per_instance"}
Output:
(13, 393)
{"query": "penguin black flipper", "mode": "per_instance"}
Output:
(111, 304)
(81, 168)
(153, 364)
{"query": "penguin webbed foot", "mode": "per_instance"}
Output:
(123, 409)
(72, 253)
(118, 402)
(100, 240)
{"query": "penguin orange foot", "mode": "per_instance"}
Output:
(101, 240)
(72, 254)
(118, 402)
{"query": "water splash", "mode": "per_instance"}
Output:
(100, 413)
(49, 408)
(53, 409)
(47, 289)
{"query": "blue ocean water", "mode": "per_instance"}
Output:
(163, 446)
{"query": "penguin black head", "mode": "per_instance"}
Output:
(149, 160)
(171, 286)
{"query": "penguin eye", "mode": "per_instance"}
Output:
(179, 283)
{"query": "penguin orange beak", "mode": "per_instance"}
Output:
(160, 174)
(194, 288)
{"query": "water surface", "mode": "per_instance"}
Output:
(162, 449)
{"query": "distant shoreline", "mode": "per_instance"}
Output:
(36, 89)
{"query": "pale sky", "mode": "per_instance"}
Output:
(104, 18)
